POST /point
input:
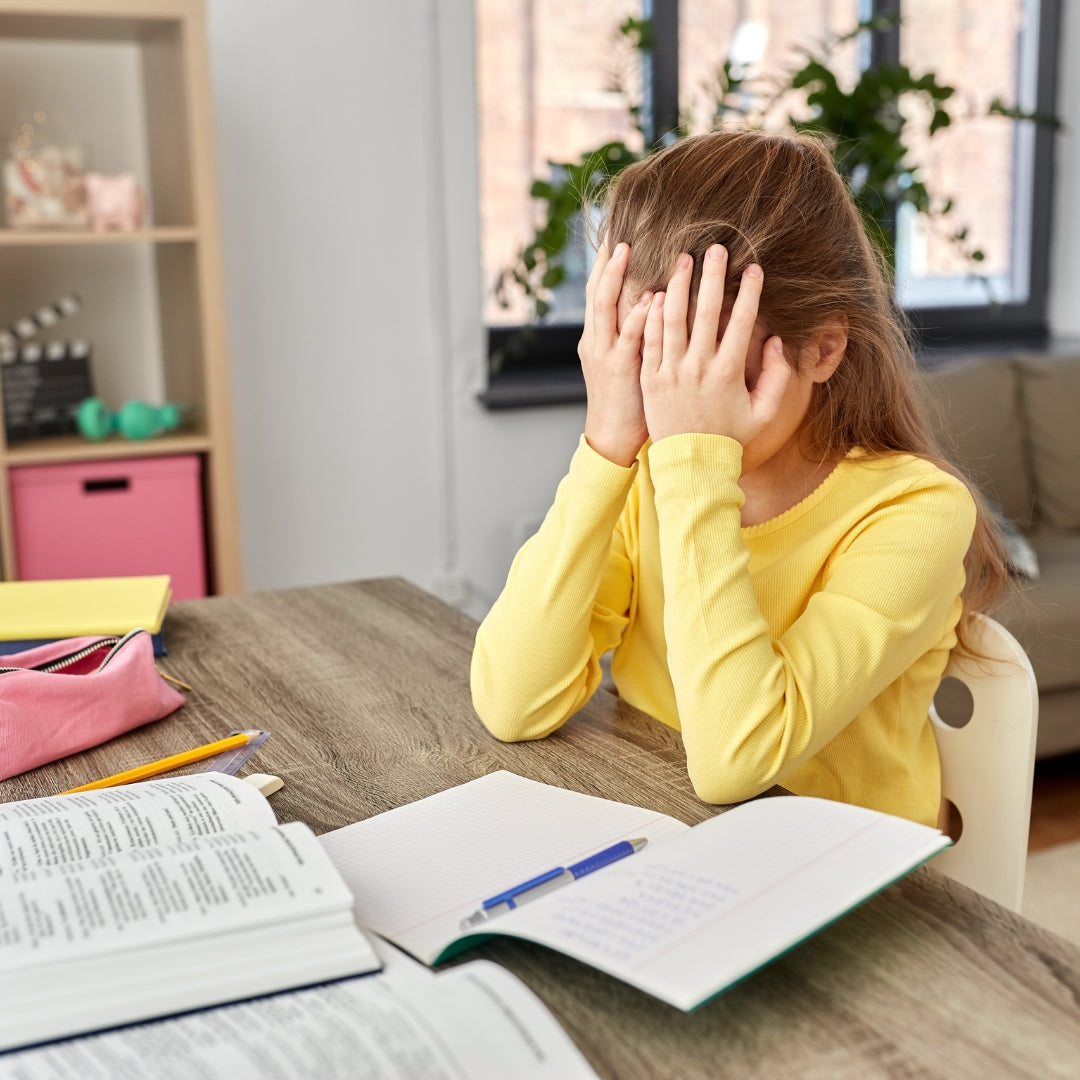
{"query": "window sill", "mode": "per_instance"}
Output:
(556, 385)
(563, 384)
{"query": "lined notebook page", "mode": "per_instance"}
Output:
(418, 870)
(684, 919)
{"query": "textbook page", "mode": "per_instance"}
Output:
(159, 929)
(476, 1021)
(685, 919)
(59, 830)
(418, 870)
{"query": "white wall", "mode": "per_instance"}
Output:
(347, 163)
(347, 155)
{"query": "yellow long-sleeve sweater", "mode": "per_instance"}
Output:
(803, 651)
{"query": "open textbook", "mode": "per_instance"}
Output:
(474, 1021)
(693, 912)
(151, 899)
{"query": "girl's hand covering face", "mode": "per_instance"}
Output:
(697, 382)
(611, 361)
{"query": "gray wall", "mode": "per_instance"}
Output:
(347, 163)
(347, 158)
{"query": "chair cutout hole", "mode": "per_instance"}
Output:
(951, 821)
(953, 702)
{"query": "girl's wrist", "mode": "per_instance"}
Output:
(615, 448)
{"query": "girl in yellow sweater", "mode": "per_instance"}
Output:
(756, 520)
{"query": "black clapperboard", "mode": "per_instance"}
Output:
(43, 384)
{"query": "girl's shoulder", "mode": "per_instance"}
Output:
(899, 471)
(888, 483)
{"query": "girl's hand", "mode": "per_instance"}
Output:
(611, 361)
(698, 384)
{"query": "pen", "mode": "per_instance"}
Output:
(153, 768)
(553, 879)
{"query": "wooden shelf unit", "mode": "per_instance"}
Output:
(171, 267)
(173, 234)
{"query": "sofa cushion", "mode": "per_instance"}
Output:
(1044, 615)
(1050, 397)
(975, 414)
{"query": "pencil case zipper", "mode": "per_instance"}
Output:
(53, 666)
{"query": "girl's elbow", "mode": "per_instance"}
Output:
(723, 791)
(522, 709)
(500, 723)
(724, 781)
(506, 718)
(495, 713)
(489, 697)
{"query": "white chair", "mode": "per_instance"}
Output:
(987, 765)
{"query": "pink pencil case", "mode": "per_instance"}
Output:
(69, 695)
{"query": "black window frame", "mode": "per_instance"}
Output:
(537, 364)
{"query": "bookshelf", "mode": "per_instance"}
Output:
(133, 79)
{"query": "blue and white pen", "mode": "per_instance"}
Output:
(553, 879)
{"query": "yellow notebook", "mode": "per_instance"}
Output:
(30, 610)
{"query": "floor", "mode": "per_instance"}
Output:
(1055, 802)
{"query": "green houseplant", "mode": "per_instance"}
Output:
(867, 127)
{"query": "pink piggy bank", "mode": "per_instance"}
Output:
(113, 202)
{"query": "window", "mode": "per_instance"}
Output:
(984, 164)
(556, 77)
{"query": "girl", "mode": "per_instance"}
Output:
(756, 520)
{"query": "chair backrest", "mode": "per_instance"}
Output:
(987, 765)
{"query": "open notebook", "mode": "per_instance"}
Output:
(694, 912)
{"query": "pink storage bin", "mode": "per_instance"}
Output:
(116, 518)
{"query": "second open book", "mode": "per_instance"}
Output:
(695, 911)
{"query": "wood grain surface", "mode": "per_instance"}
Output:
(365, 689)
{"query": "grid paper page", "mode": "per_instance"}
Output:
(418, 870)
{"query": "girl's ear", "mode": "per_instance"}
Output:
(830, 344)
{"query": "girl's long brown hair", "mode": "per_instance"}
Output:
(778, 200)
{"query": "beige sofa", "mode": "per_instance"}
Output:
(1013, 423)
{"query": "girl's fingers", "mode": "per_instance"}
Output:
(740, 327)
(773, 380)
(601, 260)
(677, 304)
(603, 256)
(710, 301)
(652, 348)
(633, 327)
(606, 297)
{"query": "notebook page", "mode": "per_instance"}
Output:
(685, 919)
(418, 870)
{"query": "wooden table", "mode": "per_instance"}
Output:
(365, 688)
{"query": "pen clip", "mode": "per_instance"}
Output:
(508, 896)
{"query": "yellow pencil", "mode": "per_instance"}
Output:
(153, 768)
